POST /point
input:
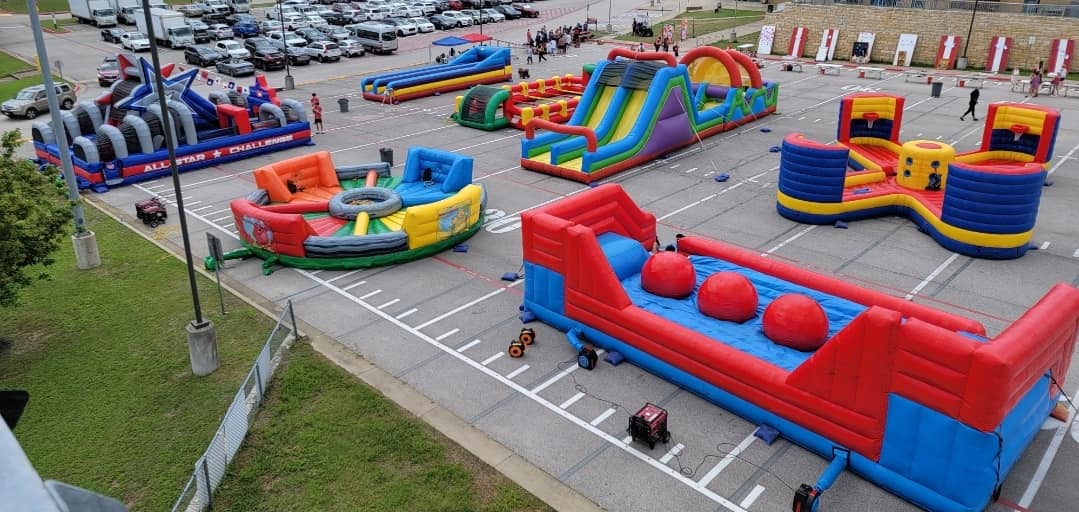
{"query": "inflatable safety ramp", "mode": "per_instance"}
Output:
(310, 213)
(639, 106)
(917, 400)
(982, 204)
(477, 65)
(121, 137)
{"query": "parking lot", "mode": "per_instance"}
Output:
(443, 324)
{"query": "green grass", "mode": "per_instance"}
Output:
(742, 39)
(9, 64)
(114, 407)
(701, 23)
(328, 442)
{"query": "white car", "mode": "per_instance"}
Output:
(422, 24)
(493, 15)
(323, 51)
(372, 13)
(428, 8)
(463, 20)
(403, 26)
(267, 26)
(223, 31)
(290, 38)
(277, 14)
(336, 33)
(315, 21)
(134, 41)
(323, 11)
(351, 48)
(233, 49)
(411, 11)
(294, 21)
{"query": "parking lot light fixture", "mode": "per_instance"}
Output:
(290, 83)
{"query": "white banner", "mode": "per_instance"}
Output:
(905, 49)
(767, 37)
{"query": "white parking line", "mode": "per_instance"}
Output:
(691, 169)
(789, 240)
(752, 496)
(353, 285)
(674, 166)
(1044, 246)
(390, 303)
(192, 203)
(1063, 159)
(517, 372)
(492, 358)
(215, 212)
(936, 272)
(671, 453)
(371, 294)
(458, 309)
(727, 459)
(468, 345)
(1075, 254)
(599, 419)
(559, 375)
(406, 313)
(342, 276)
(626, 440)
(1046, 462)
(202, 208)
(572, 400)
(447, 334)
(219, 219)
(406, 136)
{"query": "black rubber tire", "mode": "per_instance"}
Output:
(31, 113)
(66, 104)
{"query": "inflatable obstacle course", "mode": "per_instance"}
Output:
(917, 400)
(477, 65)
(119, 138)
(638, 106)
(309, 213)
(983, 203)
(492, 108)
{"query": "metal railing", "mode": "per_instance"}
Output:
(959, 5)
(198, 494)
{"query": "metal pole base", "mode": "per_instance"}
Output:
(86, 255)
(961, 63)
(290, 82)
(202, 345)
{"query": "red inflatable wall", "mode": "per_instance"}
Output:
(283, 233)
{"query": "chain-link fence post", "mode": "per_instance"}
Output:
(292, 316)
(209, 486)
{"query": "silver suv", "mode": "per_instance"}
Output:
(32, 101)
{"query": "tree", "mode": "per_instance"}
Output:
(34, 212)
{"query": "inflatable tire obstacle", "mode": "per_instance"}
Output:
(376, 202)
(517, 346)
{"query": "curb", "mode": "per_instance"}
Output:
(530, 477)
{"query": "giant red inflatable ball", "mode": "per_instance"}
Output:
(796, 321)
(668, 274)
(728, 296)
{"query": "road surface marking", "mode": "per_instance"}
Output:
(468, 345)
(346, 274)
(789, 240)
(458, 309)
(390, 303)
(572, 400)
(492, 358)
(1047, 461)
(447, 334)
(672, 453)
(406, 313)
(372, 294)
(752, 496)
(559, 375)
(933, 275)
(517, 372)
(727, 459)
(599, 419)
(353, 285)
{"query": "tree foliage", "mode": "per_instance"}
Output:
(33, 216)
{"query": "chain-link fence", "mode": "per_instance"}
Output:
(198, 494)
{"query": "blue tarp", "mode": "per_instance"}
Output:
(451, 41)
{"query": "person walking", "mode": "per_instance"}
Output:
(675, 48)
(314, 100)
(316, 109)
(540, 51)
(656, 43)
(1035, 82)
(974, 94)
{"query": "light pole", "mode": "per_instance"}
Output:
(201, 336)
(962, 62)
(86, 254)
(290, 83)
(734, 25)
(610, 8)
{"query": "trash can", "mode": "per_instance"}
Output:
(343, 103)
(937, 86)
(386, 155)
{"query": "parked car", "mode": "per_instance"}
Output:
(428, 8)
(268, 60)
(267, 26)
(232, 48)
(527, 11)
(454, 5)
(203, 56)
(351, 48)
(282, 39)
(422, 24)
(404, 27)
(235, 67)
(220, 31)
(134, 41)
(442, 22)
(509, 12)
(297, 56)
(32, 101)
(190, 10)
(243, 17)
(253, 44)
(245, 29)
(336, 33)
(314, 20)
(112, 34)
(493, 14)
(463, 20)
(325, 51)
(336, 18)
(312, 34)
(200, 31)
(108, 72)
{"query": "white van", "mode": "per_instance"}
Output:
(375, 37)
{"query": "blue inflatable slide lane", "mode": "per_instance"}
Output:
(478, 65)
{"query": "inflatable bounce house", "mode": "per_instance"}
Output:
(308, 213)
(917, 400)
(477, 65)
(119, 138)
(639, 106)
(983, 203)
(492, 108)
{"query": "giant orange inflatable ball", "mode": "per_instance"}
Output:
(728, 296)
(668, 274)
(796, 321)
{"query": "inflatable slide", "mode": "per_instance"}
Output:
(917, 400)
(309, 213)
(492, 108)
(639, 106)
(983, 203)
(119, 138)
(477, 65)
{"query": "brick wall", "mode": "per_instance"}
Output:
(929, 25)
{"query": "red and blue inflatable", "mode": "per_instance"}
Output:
(919, 401)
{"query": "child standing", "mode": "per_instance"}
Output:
(316, 109)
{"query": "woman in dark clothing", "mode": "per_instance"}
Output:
(973, 103)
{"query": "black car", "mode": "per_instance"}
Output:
(210, 18)
(233, 19)
(254, 44)
(202, 56)
(509, 12)
(298, 56)
(312, 34)
(268, 60)
(112, 35)
(235, 67)
(442, 22)
(336, 18)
